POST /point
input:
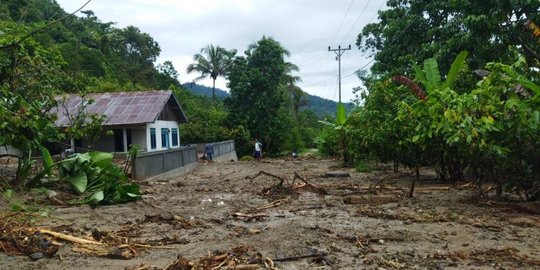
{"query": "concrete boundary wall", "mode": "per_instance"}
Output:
(223, 151)
(149, 164)
(174, 162)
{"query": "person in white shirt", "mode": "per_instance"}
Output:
(258, 150)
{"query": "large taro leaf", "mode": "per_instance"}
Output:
(96, 197)
(75, 163)
(79, 181)
(100, 159)
(126, 193)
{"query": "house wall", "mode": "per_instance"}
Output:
(105, 143)
(158, 125)
(138, 136)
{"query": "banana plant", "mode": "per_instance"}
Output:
(430, 76)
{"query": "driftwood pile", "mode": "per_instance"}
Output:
(240, 258)
(19, 236)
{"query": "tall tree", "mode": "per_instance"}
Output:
(212, 61)
(419, 29)
(134, 54)
(258, 100)
(167, 76)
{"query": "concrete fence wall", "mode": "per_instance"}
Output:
(174, 162)
(149, 164)
(225, 149)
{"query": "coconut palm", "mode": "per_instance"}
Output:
(212, 61)
(298, 97)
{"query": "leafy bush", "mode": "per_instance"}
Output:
(491, 130)
(246, 158)
(363, 167)
(94, 173)
(328, 141)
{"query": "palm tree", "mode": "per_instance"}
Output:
(298, 97)
(212, 61)
(298, 100)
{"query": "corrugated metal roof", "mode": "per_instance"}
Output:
(119, 108)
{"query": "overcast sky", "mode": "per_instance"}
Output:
(304, 27)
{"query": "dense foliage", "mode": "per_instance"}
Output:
(413, 30)
(470, 115)
(258, 100)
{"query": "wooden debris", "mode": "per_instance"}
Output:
(491, 255)
(491, 227)
(281, 179)
(69, 238)
(241, 267)
(317, 189)
(372, 199)
(177, 221)
(240, 258)
(294, 258)
(249, 217)
(273, 204)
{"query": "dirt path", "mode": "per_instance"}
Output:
(336, 223)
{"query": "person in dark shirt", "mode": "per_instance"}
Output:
(209, 151)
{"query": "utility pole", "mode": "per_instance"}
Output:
(339, 52)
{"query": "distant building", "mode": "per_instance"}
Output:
(150, 119)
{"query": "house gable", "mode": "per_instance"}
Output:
(172, 111)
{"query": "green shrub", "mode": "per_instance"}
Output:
(247, 158)
(363, 167)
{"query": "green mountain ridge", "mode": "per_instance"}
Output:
(320, 106)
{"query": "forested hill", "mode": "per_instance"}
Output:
(320, 106)
(94, 55)
(205, 90)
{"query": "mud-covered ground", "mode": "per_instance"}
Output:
(320, 223)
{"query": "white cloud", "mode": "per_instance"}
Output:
(305, 28)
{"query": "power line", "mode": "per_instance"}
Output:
(391, 42)
(355, 22)
(342, 20)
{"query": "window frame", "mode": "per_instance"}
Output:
(165, 138)
(153, 138)
(174, 137)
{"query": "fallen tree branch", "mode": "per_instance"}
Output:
(293, 258)
(240, 267)
(306, 208)
(281, 179)
(318, 189)
(69, 238)
(153, 246)
(249, 217)
(275, 203)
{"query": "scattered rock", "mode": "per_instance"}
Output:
(36, 256)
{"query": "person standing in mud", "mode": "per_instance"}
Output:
(209, 151)
(258, 150)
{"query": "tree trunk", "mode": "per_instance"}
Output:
(416, 178)
(213, 91)
(442, 173)
(478, 181)
(396, 166)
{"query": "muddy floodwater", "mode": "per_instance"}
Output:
(287, 214)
